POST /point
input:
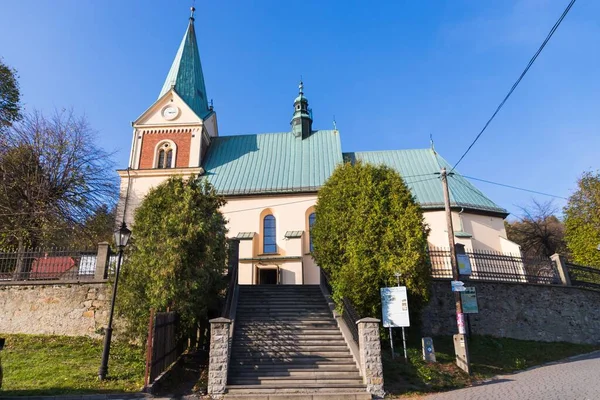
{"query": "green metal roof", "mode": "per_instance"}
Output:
(293, 234)
(186, 74)
(462, 234)
(420, 169)
(272, 162)
(245, 235)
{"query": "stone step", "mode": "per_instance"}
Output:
(289, 319)
(275, 308)
(348, 366)
(333, 388)
(312, 373)
(299, 333)
(255, 340)
(290, 359)
(285, 353)
(289, 329)
(298, 311)
(288, 349)
(310, 394)
(295, 381)
(262, 335)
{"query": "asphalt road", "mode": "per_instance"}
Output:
(576, 378)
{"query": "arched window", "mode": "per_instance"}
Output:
(269, 235)
(165, 156)
(311, 222)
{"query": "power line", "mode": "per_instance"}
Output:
(423, 180)
(515, 187)
(514, 86)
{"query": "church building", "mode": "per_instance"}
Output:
(271, 180)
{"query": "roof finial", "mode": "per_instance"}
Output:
(301, 86)
(192, 10)
(431, 142)
(334, 124)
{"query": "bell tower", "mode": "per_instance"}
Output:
(302, 119)
(172, 136)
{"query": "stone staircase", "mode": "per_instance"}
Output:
(286, 341)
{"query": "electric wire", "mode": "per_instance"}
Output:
(515, 187)
(514, 86)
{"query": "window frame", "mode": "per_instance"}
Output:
(269, 234)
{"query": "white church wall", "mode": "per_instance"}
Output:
(486, 230)
(245, 214)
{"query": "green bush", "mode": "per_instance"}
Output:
(177, 255)
(368, 226)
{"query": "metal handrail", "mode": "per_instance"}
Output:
(349, 314)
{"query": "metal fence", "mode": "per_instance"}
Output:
(495, 266)
(48, 264)
(584, 276)
(164, 346)
(54, 264)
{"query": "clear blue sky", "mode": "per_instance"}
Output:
(391, 72)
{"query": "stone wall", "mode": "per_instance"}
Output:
(521, 311)
(73, 310)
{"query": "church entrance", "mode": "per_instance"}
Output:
(267, 276)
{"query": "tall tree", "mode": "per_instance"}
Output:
(368, 227)
(538, 230)
(582, 220)
(10, 96)
(52, 175)
(177, 257)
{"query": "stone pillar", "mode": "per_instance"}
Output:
(561, 267)
(218, 356)
(102, 261)
(370, 355)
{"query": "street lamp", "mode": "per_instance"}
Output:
(121, 238)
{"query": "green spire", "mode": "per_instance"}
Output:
(302, 119)
(186, 75)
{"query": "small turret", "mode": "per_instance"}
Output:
(302, 119)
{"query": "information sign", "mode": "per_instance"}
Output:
(394, 305)
(469, 300)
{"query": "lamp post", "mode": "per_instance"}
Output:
(121, 238)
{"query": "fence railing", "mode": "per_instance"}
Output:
(164, 345)
(584, 276)
(495, 266)
(48, 264)
(349, 314)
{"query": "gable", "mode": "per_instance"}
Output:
(155, 115)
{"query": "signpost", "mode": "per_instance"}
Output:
(394, 305)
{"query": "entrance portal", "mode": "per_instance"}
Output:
(267, 276)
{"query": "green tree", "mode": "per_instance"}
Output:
(582, 220)
(368, 226)
(177, 255)
(53, 179)
(10, 96)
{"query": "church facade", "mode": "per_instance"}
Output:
(271, 180)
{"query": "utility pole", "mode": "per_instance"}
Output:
(460, 341)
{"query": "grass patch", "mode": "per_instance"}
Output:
(51, 365)
(489, 356)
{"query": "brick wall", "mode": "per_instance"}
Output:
(521, 311)
(72, 310)
(181, 140)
